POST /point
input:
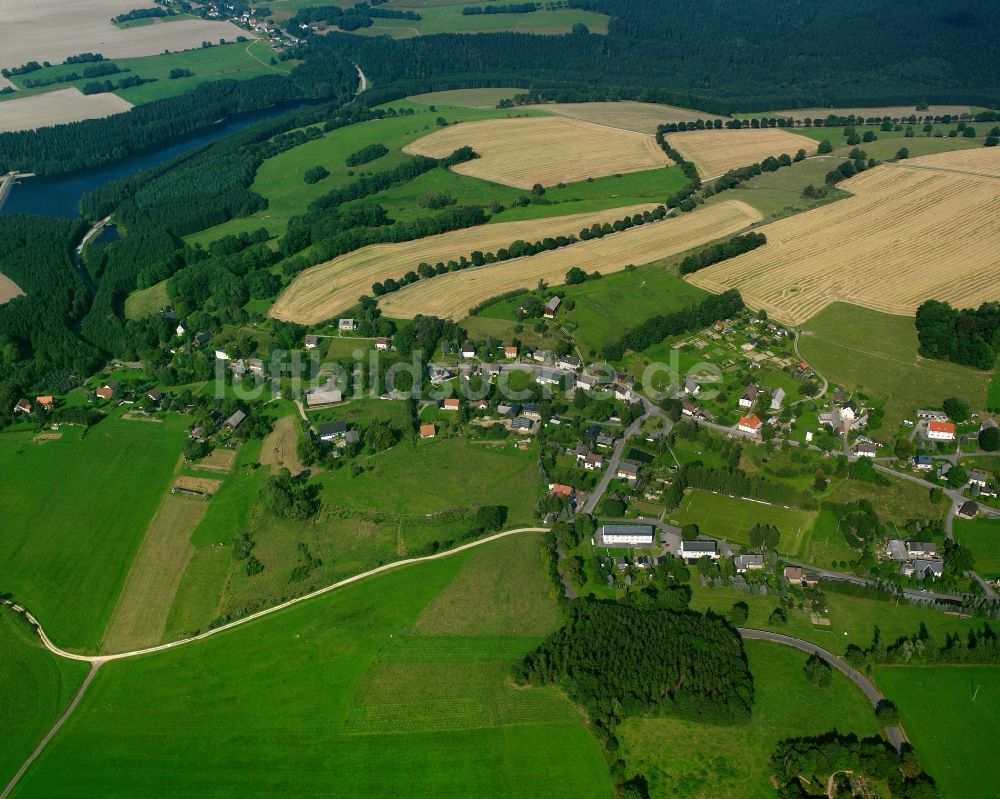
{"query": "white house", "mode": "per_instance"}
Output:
(749, 424)
(181, 329)
(346, 325)
(777, 399)
(866, 449)
(749, 396)
(311, 342)
(695, 550)
(593, 461)
(382, 344)
(548, 377)
(468, 350)
(221, 355)
(629, 535)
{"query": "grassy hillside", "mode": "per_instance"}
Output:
(75, 511)
(877, 353)
(321, 698)
(955, 734)
(35, 688)
(698, 760)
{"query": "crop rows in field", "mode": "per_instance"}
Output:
(450, 296)
(910, 233)
(715, 152)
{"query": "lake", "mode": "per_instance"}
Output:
(59, 195)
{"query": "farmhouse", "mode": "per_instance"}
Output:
(510, 352)
(691, 387)
(568, 362)
(234, 421)
(428, 431)
(749, 396)
(522, 425)
(628, 470)
(548, 377)
(969, 510)
(866, 449)
(561, 490)
(551, 307)
(468, 350)
(322, 397)
(625, 394)
(593, 461)
(107, 391)
(794, 575)
(752, 561)
(921, 549)
(922, 568)
(586, 381)
(895, 549)
(311, 342)
(749, 424)
(979, 478)
(531, 410)
(604, 439)
(941, 431)
(450, 404)
(154, 395)
(695, 550)
(46, 401)
(338, 433)
(629, 535)
(382, 344)
(346, 325)
(23, 406)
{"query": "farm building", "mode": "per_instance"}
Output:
(311, 342)
(866, 449)
(752, 561)
(749, 396)
(46, 401)
(338, 433)
(522, 425)
(468, 350)
(234, 421)
(551, 307)
(23, 406)
(777, 399)
(107, 391)
(749, 424)
(450, 404)
(793, 574)
(347, 325)
(627, 535)
(322, 397)
(428, 431)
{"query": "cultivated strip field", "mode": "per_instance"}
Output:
(57, 108)
(627, 115)
(450, 296)
(983, 161)
(909, 234)
(523, 152)
(8, 289)
(324, 290)
(52, 31)
(715, 152)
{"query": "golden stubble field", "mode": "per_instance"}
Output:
(450, 296)
(627, 114)
(715, 152)
(324, 290)
(910, 233)
(546, 150)
(50, 30)
(57, 108)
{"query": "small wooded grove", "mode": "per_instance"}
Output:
(976, 647)
(737, 245)
(970, 336)
(799, 764)
(618, 660)
(654, 330)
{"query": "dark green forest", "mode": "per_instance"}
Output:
(970, 336)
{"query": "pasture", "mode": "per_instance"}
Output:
(700, 760)
(732, 518)
(523, 152)
(321, 291)
(147, 302)
(8, 289)
(54, 31)
(450, 296)
(911, 232)
(893, 111)
(982, 536)
(715, 152)
(467, 98)
(347, 673)
(75, 512)
(627, 114)
(35, 688)
(955, 736)
(877, 353)
(57, 108)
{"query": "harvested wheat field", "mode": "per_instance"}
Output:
(715, 152)
(983, 161)
(627, 114)
(205, 486)
(58, 108)
(450, 296)
(907, 235)
(326, 289)
(8, 289)
(523, 152)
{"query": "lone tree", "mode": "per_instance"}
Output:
(989, 439)
(818, 671)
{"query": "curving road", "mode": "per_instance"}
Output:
(895, 734)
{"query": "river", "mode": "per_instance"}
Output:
(59, 195)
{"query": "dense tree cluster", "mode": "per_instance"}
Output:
(366, 154)
(98, 70)
(737, 245)
(980, 646)
(289, 498)
(737, 483)
(346, 19)
(969, 336)
(511, 8)
(860, 69)
(656, 329)
(618, 661)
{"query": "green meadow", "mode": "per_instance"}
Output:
(236, 61)
(877, 353)
(319, 699)
(950, 715)
(732, 518)
(697, 760)
(982, 536)
(74, 512)
(35, 688)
